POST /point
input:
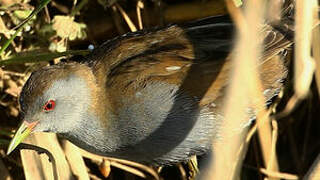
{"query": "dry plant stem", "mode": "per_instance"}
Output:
(126, 18)
(75, 160)
(254, 18)
(253, 130)
(316, 45)
(47, 19)
(227, 160)
(241, 154)
(140, 6)
(128, 169)
(126, 162)
(159, 169)
(273, 146)
(304, 64)
(265, 137)
(38, 167)
(137, 165)
(236, 14)
(182, 172)
(94, 177)
(40, 150)
(278, 175)
(117, 19)
(293, 102)
(12, 73)
(313, 173)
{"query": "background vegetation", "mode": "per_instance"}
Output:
(78, 25)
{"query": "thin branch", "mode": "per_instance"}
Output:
(126, 18)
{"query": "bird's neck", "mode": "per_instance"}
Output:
(96, 129)
(94, 135)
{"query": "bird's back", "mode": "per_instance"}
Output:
(166, 86)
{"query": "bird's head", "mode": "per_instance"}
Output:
(54, 99)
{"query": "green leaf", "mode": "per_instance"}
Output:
(23, 23)
(23, 14)
(33, 57)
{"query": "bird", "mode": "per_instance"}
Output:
(152, 96)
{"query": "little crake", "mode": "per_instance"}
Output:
(152, 97)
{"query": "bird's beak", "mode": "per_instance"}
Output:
(24, 130)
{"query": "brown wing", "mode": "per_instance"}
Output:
(194, 59)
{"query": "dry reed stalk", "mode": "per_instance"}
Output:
(75, 160)
(140, 6)
(272, 156)
(304, 63)
(279, 175)
(316, 44)
(38, 167)
(126, 18)
(314, 171)
(129, 166)
(227, 159)
(117, 19)
(128, 169)
(182, 172)
(254, 15)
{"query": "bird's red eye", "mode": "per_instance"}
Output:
(49, 106)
